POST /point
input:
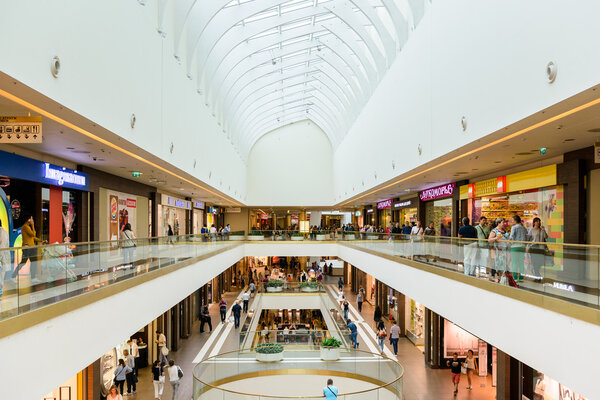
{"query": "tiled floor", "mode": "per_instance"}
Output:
(420, 382)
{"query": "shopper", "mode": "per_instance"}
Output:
(29, 238)
(237, 313)
(537, 250)
(353, 333)
(135, 352)
(114, 394)
(213, 232)
(4, 256)
(406, 229)
(377, 316)
(498, 233)
(170, 238)
(161, 342)
(467, 231)
(455, 369)
(471, 364)
(359, 300)
(252, 287)
(518, 233)
(246, 299)
(395, 336)
(205, 319)
(341, 298)
(175, 375)
(330, 392)
(226, 232)
(130, 378)
(223, 309)
(340, 284)
(381, 335)
(483, 233)
(204, 233)
(127, 245)
(416, 235)
(158, 379)
(346, 309)
(121, 374)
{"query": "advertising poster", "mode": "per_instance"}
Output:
(483, 366)
(494, 366)
(122, 208)
(546, 388)
(457, 340)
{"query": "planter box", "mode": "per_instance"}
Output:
(236, 237)
(349, 237)
(372, 237)
(274, 289)
(256, 237)
(309, 289)
(321, 237)
(273, 357)
(297, 238)
(330, 353)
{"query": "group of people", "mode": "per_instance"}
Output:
(505, 260)
(468, 366)
(213, 233)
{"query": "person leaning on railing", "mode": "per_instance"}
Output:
(498, 233)
(518, 233)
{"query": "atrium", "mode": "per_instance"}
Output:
(299, 199)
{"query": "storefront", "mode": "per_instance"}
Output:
(384, 213)
(197, 217)
(369, 216)
(415, 321)
(118, 209)
(438, 208)
(212, 216)
(51, 194)
(529, 194)
(173, 212)
(405, 211)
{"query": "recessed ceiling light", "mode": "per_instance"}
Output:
(160, 182)
(523, 154)
(595, 130)
(569, 140)
(70, 148)
(497, 162)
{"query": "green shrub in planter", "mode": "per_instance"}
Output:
(256, 233)
(275, 283)
(312, 285)
(297, 234)
(331, 342)
(238, 233)
(269, 348)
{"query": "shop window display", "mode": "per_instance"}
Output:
(546, 388)
(415, 331)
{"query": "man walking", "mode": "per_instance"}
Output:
(246, 299)
(359, 299)
(135, 352)
(353, 333)
(394, 336)
(131, 377)
(161, 341)
(205, 319)
(237, 312)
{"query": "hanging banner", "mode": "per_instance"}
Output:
(483, 358)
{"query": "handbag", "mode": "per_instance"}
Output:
(164, 351)
(463, 369)
(179, 372)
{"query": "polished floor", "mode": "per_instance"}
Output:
(420, 382)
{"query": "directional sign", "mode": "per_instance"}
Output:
(20, 129)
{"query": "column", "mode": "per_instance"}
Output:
(508, 377)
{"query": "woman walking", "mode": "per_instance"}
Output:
(537, 250)
(223, 309)
(158, 379)
(127, 245)
(471, 364)
(496, 235)
(377, 316)
(381, 335)
(120, 374)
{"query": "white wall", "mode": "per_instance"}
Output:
(291, 166)
(115, 63)
(484, 60)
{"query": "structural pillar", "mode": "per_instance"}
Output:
(508, 381)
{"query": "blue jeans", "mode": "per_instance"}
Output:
(394, 345)
(354, 339)
(346, 314)
(236, 318)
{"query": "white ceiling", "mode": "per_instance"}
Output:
(262, 64)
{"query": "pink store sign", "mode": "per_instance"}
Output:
(438, 192)
(384, 204)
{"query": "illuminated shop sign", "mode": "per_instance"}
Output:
(384, 204)
(175, 202)
(401, 204)
(18, 167)
(438, 192)
(198, 204)
(370, 210)
(62, 175)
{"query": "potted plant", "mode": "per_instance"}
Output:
(269, 352)
(237, 235)
(309, 286)
(274, 285)
(349, 236)
(297, 236)
(321, 235)
(256, 235)
(330, 349)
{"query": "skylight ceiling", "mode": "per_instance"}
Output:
(262, 64)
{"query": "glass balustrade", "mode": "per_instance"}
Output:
(40, 275)
(216, 377)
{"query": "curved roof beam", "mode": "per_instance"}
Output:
(180, 18)
(386, 39)
(399, 21)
